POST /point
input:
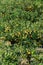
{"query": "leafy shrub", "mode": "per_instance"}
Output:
(21, 31)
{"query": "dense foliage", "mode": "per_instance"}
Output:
(21, 32)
